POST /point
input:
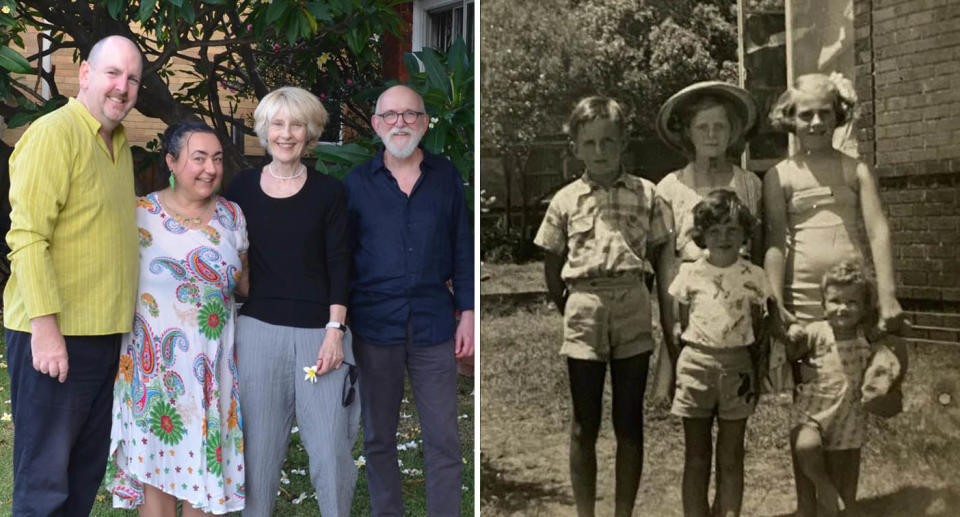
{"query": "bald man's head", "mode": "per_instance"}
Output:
(110, 81)
(400, 120)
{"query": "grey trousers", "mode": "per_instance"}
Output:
(270, 360)
(433, 375)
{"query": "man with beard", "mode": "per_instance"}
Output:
(73, 283)
(412, 235)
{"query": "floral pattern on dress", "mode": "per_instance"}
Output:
(177, 416)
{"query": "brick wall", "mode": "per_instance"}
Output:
(908, 79)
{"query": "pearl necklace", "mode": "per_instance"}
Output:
(300, 172)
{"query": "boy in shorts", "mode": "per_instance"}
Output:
(600, 233)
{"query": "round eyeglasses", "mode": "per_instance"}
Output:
(409, 116)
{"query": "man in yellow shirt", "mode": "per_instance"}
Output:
(73, 283)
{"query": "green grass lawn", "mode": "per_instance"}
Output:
(297, 497)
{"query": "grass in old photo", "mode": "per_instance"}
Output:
(909, 461)
(297, 497)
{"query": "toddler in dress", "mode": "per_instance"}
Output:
(829, 420)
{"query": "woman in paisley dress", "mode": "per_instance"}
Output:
(177, 426)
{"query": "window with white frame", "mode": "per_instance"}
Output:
(438, 23)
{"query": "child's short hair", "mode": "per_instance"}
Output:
(719, 207)
(683, 115)
(851, 272)
(839, 89)
(593, 108)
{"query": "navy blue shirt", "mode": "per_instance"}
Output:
(405, 251)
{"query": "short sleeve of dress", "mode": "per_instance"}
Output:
(680, 287)
(243, 243)
(552, 235)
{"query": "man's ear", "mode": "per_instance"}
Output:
(84, 74)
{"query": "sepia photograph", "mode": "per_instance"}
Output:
(718, 258)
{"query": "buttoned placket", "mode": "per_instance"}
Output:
(407, 225)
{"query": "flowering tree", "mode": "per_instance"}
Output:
(236, 50)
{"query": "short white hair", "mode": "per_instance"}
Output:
(298, 103)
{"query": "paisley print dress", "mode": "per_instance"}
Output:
(176, 409)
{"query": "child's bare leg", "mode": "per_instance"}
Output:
(629, 378)
(698, 442)
(810, 458)
(844, 469)
(157, 503)
(730, 467)
(586, 389)
(806, 491)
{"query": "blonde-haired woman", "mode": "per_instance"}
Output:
(294, 318)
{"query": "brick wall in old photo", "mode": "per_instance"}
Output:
(908, 80)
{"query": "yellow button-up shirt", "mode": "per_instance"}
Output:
(73, 232)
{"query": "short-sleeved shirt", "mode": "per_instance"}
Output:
(680, 190)
(604, 231)
(720, 300)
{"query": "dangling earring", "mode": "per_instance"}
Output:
(173, 182)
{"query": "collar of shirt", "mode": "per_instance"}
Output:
(93, 125)
(378, 165)
(586, 185)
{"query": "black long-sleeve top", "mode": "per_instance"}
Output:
(299, 253)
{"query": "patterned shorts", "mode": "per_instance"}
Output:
(714, 382)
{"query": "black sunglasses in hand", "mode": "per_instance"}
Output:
(349, 382)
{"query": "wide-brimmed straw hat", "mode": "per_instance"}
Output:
(672, 135)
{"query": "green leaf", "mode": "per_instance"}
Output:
(276, 10)
(178, 3)
(21, 118)
(189, 15)
(311, 22)
(146, 9)
(293, 28)
(319, 11)
(436, 138)
(348, 154)
(355, 41)
(216, 2)
(11, 60)
(412, 64)
(436, 72)
(114, 7)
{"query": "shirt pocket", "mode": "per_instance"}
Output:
(580, 232)
(635, 230)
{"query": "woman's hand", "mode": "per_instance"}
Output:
(892, 318)
(331, 351)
